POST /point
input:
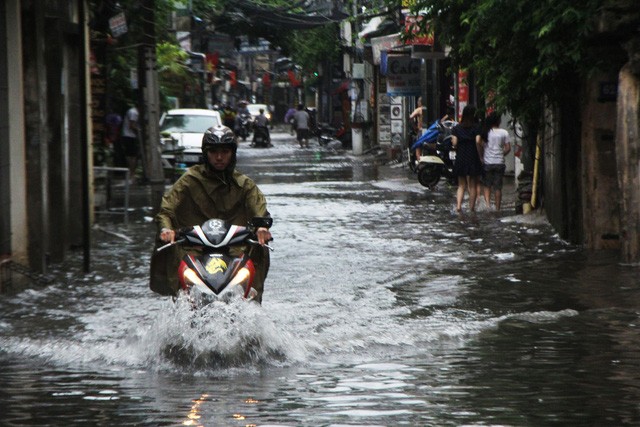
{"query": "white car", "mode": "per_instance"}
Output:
(254, 109)
(181, 132)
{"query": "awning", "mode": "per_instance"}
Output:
(371, 26)
(384, 43)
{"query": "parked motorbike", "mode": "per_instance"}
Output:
(328, 135)
(438, 155)
(325, 133)
(261, 137)
(209, 272)
(243, 126)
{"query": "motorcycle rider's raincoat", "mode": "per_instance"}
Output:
(201, 194)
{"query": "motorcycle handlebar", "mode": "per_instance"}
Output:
(168, 245)
(255, 242)
(179, 241)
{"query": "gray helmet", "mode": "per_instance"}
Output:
(218, 136)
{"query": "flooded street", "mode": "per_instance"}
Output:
(383, 307)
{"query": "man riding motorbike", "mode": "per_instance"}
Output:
(261, 128)
(214, 189)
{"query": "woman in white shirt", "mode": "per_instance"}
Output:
(495, 145)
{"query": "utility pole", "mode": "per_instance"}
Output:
(149, 104)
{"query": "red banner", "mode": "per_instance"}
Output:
(463, 91)
(292, 78)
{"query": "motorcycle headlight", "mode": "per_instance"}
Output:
(242, 278)
(191, 280)
(241, 285)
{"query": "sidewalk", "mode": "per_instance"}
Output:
(398, 171)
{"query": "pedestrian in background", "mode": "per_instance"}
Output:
(495, 145)
(228, 116)
(467, 167)
(112, 125)
(415, 119)
(130, 141)
(301, 120)
(288, 118)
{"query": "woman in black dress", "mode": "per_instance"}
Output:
(468, 167)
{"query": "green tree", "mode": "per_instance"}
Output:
(526, 53)
(308, 43)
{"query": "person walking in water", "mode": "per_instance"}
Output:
(301, 119)
(495, 145)
(468, 167)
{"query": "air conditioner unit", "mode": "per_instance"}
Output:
(357, 71)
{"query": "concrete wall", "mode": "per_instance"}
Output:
(628, 159)
(41, 122)
(562, 168)
(601, 194)
(13, 204)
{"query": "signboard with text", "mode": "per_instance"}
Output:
(403, 75)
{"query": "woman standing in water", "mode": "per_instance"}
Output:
(467, 167)
(495, 145)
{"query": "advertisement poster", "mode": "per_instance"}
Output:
(384, 120)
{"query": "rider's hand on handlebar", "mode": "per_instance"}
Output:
(167, 235)
(264, 235)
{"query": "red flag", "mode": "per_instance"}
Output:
(292, 78)
(234, 78)
(266, 80)
(212, 61)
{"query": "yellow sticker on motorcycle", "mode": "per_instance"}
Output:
(216, 265)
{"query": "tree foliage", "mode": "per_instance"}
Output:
(526, 53)
(307, 47)
(310, 47)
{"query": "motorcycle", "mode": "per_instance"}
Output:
(438, 155)
(210, 272)
(261, 137)
(324, 132)
(243, 126)
(328, 135)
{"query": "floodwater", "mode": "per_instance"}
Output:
(383, 307)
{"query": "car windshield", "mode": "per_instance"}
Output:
(188, 123)
(255, 108)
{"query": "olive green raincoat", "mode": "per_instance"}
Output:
(201, 194)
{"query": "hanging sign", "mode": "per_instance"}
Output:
(403, 75)
(118, 25)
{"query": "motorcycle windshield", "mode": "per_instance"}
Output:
(216, 233)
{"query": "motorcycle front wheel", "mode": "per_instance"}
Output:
(429, 175)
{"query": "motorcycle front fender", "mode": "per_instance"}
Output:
(430, 160)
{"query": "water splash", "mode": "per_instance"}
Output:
(218, 336)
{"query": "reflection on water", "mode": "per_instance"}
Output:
(383, 307)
